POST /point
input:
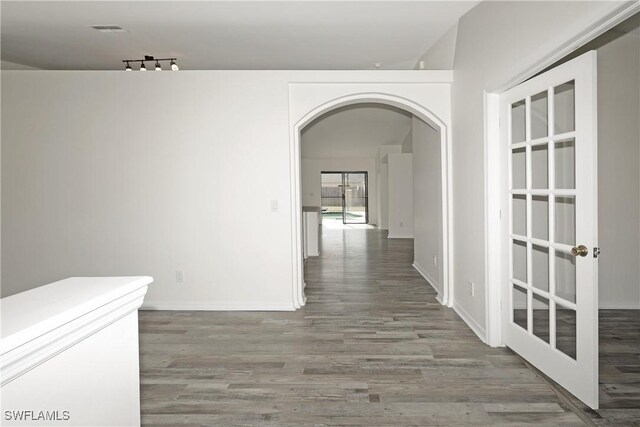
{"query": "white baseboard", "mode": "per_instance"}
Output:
(619, 306)
(215, 306)
(390, 236)
(432, 282)
(473, 325)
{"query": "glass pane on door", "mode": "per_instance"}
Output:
(540, 317)
(539, 121)
(355, 198)
(331, 195)
(565, 163)
(566, 330)
(564, 107)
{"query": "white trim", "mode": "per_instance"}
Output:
(493, 220)
(21, 358)
(590, 32)
(446, 157)
(447, 200)
(216, 306)
(395, 236)
(430, 280)
(297, 258)
(468, 319)
(330, 77)
(619, 306)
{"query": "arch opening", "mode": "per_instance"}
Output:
(380, 99)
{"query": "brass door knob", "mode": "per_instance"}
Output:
(580, 250)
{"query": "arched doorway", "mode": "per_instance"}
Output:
(395, 100)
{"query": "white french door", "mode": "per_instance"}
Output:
(550, 275)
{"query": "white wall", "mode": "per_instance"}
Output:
(618, 176)
(354, 131)
(115, 174)
(427, 202)
(107, 174)
(442, 54)
(406, 146)
(311, 179)
(383, 196)
(382, 161)
(400, 195)
(495, 42)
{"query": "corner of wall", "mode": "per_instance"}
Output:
(407, 142)
(470, 321)
(14, 66)
(441, 55)
(432, 281)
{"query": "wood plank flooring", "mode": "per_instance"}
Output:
(371, 347)
(619, 371)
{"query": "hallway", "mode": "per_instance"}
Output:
(371, 347)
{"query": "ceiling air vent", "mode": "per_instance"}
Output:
(108, 28)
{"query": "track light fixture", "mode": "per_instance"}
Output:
(158, 66)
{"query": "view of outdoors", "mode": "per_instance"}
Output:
(344, 197)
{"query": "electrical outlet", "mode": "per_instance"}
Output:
(274, 206)
(402, 224)
(180, 276)
(472, 288)
(435, 261)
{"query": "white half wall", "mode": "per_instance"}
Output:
(427, 203)
(400, 195)
(311, 179)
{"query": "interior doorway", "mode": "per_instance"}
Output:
(345, 197)
(359, 163)
(429, 104)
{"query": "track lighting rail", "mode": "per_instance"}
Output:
(148, 58)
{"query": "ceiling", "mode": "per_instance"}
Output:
(226, 35)
(355, 131)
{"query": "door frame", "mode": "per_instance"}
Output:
(366, 193)
(445, 296)
(493, 161)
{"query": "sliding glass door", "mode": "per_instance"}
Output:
(344, 197)
(355, 198)
(331, 196)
